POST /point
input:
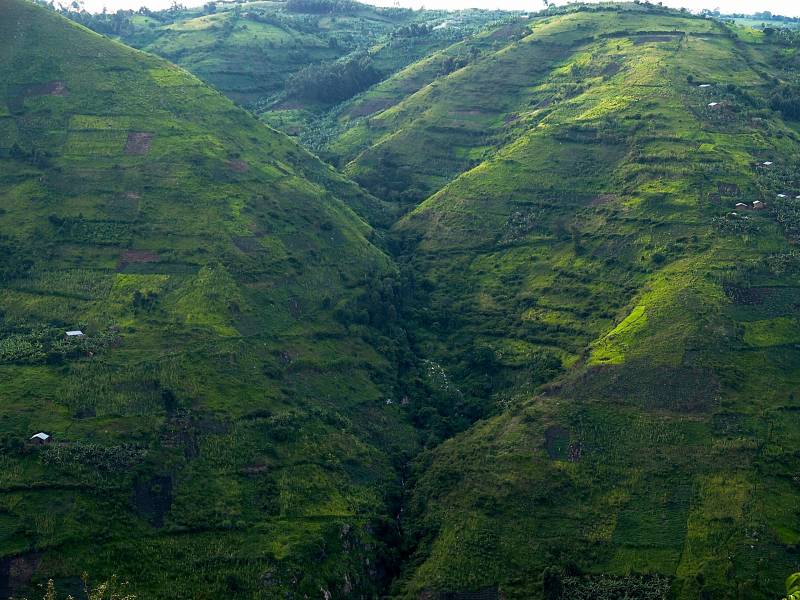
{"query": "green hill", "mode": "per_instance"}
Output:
(218, 428)
(290, 61)
(552, 352)
(597, 237)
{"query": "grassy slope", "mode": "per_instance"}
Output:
(668, 446)
(218, 430)
(248, 51)
(248, 59)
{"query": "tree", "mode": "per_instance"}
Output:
(552, 585)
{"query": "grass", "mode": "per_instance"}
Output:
(217, 417)
(600, 360)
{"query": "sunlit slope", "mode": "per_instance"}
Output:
(247, 52)
(217, 429)
(602, 236)
(416, 146)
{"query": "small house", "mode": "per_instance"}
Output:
(741, 206)
(704, 85)
(758, 205)
(40, 438)
(713, 104)
(75, 333)
(767, 163)
(781, 195)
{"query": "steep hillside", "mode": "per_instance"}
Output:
(601, 245)
(453, 123)
(218, 428)
(289, 61)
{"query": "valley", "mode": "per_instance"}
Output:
(507, 310)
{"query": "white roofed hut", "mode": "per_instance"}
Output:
(741, 206)
(75, 333)
(759, 205)
(40, 438)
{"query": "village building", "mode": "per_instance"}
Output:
(741, 206)
(781, 195)
(40, 438)
(713, 104)
(767, 163)
(75, 333)
(758, 205)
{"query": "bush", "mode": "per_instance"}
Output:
(786, 100)
(333, 82)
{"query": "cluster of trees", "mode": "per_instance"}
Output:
(786, 100)
(323, 7)
(412, 30)
(14, 262)
(454, 63)
(334, 82)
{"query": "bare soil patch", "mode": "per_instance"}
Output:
(51, 88)
(370, 107)
(238, 166)
(138, 142)
(611, 69)
(136, 256)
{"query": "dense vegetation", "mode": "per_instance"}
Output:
(289, 61)
(553, 351)
(217, 417)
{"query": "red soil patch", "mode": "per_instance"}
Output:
(138, 142)
(136, 256)
(51, 88)
(238, 166)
